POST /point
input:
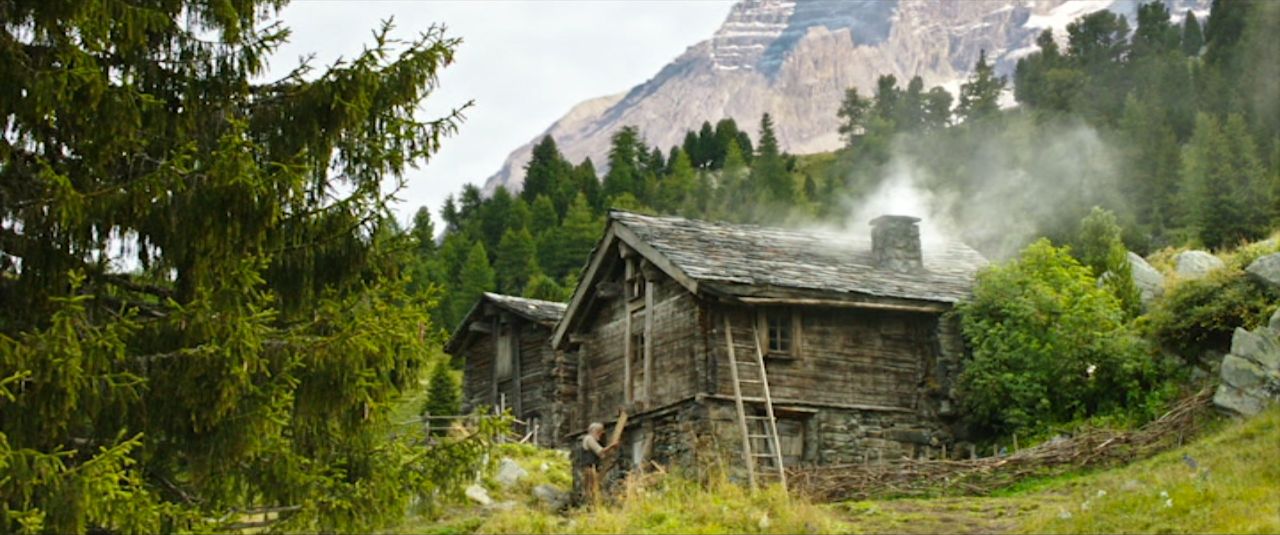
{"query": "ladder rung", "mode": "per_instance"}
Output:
(766, 418)
(759, 436)
(765, 455)
(753, 381)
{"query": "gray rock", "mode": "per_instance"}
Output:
(1274, 324)
(1196, 264)
(1237, 401)
(1242, 373)
(1259, 347)
(1149, 281)
(1266, 269)
(509, 472)
(550, 496)
(477, 494)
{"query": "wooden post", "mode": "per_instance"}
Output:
(627, 394)
(648, 343)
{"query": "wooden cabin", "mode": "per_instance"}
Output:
(508, 362)
(859, 357)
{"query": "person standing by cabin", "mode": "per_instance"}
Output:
(591, 455)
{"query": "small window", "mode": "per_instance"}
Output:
(506, 354)
(779, 332)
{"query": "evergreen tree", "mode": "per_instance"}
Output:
(589, 185)
(543, 216)
(980, 95)
(1155, 33)
(1192, 37)
(424, 232)
(444, 396)
(1150, 163)
(937, 109)
(474, 279)
(853, 111)
(625, 152)
(1213, 206)
(252, 361)
(691, 147)
(706, 145)
(885, 103)
(545, 288)
(449, 213)
(495, 217)
(678, 190)
(726, 131)
(770, 170)
(545, 170)
(517, 260)
(566, 247)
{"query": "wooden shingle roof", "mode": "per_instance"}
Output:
(544, 312)
(740, 259)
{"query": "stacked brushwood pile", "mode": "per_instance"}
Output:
(910, 477)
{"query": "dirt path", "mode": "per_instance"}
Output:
(942, 515)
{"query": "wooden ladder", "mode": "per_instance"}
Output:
(766, 461)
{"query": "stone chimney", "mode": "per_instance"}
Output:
(895, 243)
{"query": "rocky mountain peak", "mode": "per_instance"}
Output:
(795, 58)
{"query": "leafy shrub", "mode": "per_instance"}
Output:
(1198, 316)
(1049, 345)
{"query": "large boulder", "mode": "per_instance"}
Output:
(509, 472)
(1195, 264)
(1251, 372)
(1149, 281)
(1267, 269)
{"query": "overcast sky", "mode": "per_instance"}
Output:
(525, 63)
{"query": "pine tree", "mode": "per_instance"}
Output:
(1192, 37)
(853, 111)
(495, 217)
(565, 248)
(543, 216)
(444, 397)
(625, 152)
(589, 185)
(545, 170)
(678, 189)
(980, 95)
(770, 170)
(252, 361)
(517, 260)
(424, 232)
(474, 279)
(1151, 162)
(1210, 204)
(545, 288)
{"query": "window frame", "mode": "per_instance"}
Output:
(790, 320)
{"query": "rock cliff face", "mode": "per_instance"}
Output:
(794, 60)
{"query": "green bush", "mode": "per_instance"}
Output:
(1049, 346)
(1198, 316)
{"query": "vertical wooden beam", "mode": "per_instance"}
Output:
(626, 355)
(648, 343)
(516, 356)
(493, 362)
